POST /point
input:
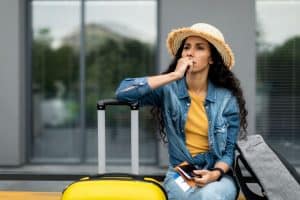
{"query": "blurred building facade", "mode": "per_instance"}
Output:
(59, 57)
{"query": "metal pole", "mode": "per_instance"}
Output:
(135, 141)
(82, 82)
(101, 142)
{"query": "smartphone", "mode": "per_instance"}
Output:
(187, 170)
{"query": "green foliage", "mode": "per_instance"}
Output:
(110, 63)
(51, 65)
(279, 67)
(109, 58)
(278, 89)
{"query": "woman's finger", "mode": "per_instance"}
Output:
(201, 172)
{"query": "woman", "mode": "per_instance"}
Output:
(201, 110)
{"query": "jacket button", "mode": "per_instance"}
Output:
(188, 104)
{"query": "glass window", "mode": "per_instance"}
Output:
(278, 72)
(55, 77)
(120, 41)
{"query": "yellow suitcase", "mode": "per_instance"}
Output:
(115, 187)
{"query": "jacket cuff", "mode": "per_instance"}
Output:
(227, 160)
(142, 85)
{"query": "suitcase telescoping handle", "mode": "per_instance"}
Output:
(101, 106)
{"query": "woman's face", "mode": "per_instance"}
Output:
(198, 50)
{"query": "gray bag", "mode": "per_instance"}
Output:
(277, 178)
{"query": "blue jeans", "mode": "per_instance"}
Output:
(225, 189)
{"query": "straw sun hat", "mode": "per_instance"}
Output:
(206, 31)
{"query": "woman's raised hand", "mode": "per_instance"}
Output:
(183, 65)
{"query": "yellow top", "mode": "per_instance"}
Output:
(196, 127)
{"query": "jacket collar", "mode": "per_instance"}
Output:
(183, 91)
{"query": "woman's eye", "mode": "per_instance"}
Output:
(186, 47)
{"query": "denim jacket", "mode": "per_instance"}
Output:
(173, 99)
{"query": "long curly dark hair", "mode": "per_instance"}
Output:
(220, 76)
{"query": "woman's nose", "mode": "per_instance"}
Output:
(190, 52)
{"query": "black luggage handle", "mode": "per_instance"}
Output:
(124, 176)
(101, 105)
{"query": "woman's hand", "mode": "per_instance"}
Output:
(183, 64)
(204, 177)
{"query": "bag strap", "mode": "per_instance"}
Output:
(244, 180)
(253, 178)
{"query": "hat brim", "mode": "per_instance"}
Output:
(176, 37)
